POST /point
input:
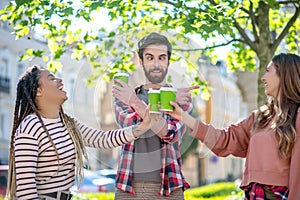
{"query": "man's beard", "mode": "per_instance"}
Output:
(155, 79)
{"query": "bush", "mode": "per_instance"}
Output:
(217, 191)
(93, 196)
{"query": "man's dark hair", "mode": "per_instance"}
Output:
(154, 38)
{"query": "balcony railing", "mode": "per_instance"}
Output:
(4, 84)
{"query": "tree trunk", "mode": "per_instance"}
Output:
(263, 51)
(263, 62)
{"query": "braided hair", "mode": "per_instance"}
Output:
(25, 105)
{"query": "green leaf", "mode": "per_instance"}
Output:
(38, 53)
(54, 66)
(24, 57)
(22, 2)
(112, 34)
(45, 58)
(21, 31)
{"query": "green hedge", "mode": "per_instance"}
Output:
(217, 191)
(94, 196)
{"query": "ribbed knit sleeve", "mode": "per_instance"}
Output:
(26, 154)
(105, 139)
(233, 139)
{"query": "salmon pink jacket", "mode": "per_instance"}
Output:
(263, 163)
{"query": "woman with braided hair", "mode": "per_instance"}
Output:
(48, 146)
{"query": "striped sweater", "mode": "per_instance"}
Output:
(37, 167)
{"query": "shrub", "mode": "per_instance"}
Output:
(217, 191)
(93, 196)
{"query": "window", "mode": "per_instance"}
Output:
(2, 126)
(4, 68)
(4, 78)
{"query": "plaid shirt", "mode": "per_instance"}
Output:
(255, 191)
(170, 172)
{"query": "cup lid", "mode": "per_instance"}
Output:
(121, 74)
(153, 91)
(168, 89)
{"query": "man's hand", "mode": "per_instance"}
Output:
(184, 96)
(128, 96)
(124, 92)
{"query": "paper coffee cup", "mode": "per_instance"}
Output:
(121, 76)
(167, 94)
(154, 98)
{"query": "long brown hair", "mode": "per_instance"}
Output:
(285, 110)
(25, 105)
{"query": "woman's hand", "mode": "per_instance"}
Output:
(181, 115)
(177, 112)
(143, 126)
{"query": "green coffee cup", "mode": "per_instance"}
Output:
(121, 76)
(167, 94)
(154, 98)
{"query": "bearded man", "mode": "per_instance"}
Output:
(150, 167)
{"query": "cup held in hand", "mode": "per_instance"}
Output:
(154, 98)
(121, 76)
(167, 94)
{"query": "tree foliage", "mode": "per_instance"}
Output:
(253, 29)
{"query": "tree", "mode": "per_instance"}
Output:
(254, 29)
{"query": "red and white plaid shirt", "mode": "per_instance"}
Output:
(255, 191)
(170, 172)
